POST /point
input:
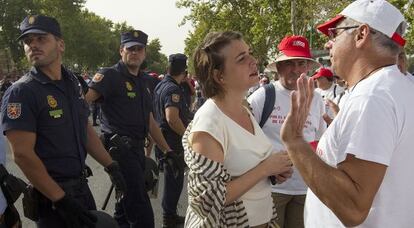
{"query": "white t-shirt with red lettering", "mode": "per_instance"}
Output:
(314, 128)
(376, 124)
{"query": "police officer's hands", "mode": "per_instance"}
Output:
(117, 179)
(175, 162)
(73, 214)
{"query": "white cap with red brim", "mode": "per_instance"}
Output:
(378, 14)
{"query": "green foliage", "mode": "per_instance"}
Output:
(157, 62)
(262, 22)
(90, 40)
(409, 17)
(11, 14)
(265, 22)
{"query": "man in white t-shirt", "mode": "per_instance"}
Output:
(294, 59)
(327, 87)
(361, 175)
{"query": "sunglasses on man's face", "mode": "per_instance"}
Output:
(333, 32)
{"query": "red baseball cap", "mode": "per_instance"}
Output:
(323, 72)
(292, 47)
(323, 28)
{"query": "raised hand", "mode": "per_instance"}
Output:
(301, 99)
(334, 108)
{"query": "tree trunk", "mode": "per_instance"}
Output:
(293, 16)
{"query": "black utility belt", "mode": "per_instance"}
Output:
(132, 141)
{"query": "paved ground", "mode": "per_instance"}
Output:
(99, 184)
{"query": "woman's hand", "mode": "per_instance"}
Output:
(276, 164)
(280, 178)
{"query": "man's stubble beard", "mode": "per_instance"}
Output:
(46, 61)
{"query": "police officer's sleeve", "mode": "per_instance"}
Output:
(101, 83)
(18, 109)
(173, 97)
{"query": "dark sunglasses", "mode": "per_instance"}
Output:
(332, 32)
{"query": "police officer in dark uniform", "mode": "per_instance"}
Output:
(127, 112)
(188, 92)
(172, 113)
(45, 118)
(151, 83)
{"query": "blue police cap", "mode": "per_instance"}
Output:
(177, 58)
(178, 61)
(39, 24)
(132, 38)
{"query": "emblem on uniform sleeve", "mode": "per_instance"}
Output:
(14, 110)
(51, 101)
(128, 86)
(175, 98)
(97, 77)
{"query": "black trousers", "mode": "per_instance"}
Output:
(172, 190)
(173, 186)
(134, 209)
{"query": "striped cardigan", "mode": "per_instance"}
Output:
(207, 181)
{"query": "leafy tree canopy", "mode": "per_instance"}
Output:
(265, 22)
(91, 41)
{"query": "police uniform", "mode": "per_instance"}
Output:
(125, 102)
(185, 87)
(169, 93)
(57, 112)
(125, 109)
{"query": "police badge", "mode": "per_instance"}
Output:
(51, 101)
(32, 20)
(128, 86)
(14, 110)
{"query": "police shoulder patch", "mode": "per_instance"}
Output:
(175, 97)
(14, 110)
(97, 77)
